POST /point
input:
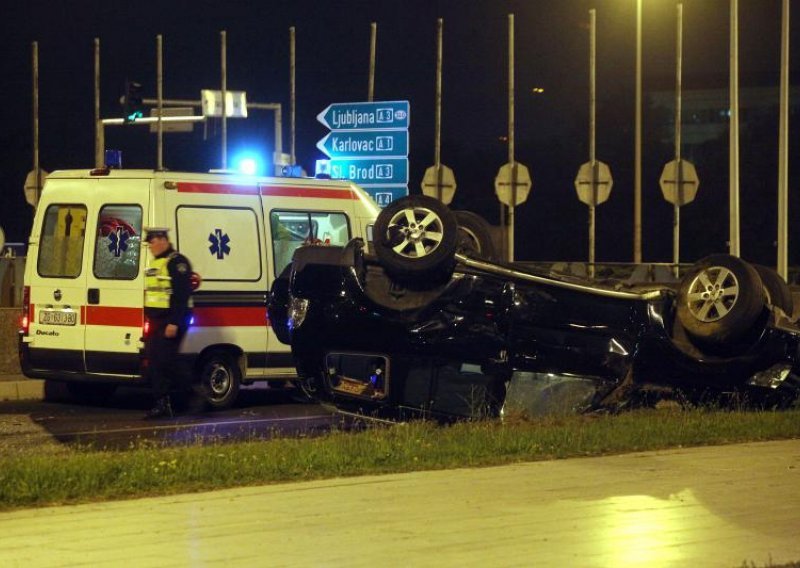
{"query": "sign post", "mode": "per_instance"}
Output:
(439, 180)
(368, 144)
(593, 182)
(679, 181)
(513, 181)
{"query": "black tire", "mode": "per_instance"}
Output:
(220, 379)
(474, 236)
(91, 393)
(416, 239)
(776, 288)
(719, 300)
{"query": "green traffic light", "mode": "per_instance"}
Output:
(134, 115)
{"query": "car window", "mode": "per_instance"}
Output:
(118, 242)
(61, 243)
(292, 229)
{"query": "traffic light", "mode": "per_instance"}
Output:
(132, 107)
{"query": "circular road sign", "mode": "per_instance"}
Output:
(32, 188)
(594, 184)
(430, 184)
(504, 184)
(679, 182)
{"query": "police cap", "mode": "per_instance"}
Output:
(153, 232)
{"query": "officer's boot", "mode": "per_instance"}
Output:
(161, 409)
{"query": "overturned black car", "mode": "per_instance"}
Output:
(426, 326)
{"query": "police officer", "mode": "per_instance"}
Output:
(167, 308)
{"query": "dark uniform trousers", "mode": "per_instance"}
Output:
(165, 368)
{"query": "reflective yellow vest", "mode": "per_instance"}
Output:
(158, 284)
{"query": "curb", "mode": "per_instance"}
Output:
(22, 389)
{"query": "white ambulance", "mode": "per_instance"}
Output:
(84, 277)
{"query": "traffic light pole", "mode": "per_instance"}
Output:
(224, 87)
(98, 125)
(35, 88)
(292, 94)
(160, 103)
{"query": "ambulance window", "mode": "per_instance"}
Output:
(292, 229)
(118, 242)
(61, 245)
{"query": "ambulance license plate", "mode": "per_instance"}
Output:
(52, 317)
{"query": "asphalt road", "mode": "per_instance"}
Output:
(120, 422)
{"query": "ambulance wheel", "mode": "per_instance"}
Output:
(91, 393)
(416, 239)
(220, 377)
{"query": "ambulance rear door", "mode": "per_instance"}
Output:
(115, 276)
(57, 277)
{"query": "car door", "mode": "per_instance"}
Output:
(115, 276)
(58, 278)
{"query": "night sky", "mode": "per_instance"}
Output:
(332, 66)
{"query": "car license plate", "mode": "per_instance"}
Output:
(58, 317)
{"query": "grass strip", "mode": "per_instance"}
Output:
(39, 478)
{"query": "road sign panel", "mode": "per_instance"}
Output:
(382, 171)
(679, 182)
(594, 184)
(431, 183)
(366, 115)
(365, 143)
(235, 103)
(385, 194)
(172, 126)
(504, 184)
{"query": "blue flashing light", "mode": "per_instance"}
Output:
(114, 158)
(248, 163)
(248, 166)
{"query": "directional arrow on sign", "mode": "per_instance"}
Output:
(367, 143)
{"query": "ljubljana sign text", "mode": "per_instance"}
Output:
(366, 116)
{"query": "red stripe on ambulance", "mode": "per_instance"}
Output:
(234, 316)
(223, 188)
(266, 190)
(107, 315)
(283, 191)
